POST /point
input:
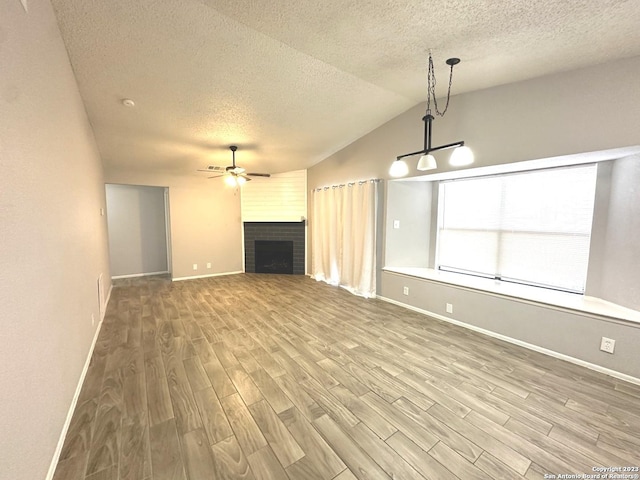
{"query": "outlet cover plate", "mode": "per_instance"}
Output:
(607, 345)
(405, 290)
(449, 308)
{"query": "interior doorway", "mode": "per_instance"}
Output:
(139, 230)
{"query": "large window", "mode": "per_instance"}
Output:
(531, 227)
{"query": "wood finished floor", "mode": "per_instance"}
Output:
(280, 377)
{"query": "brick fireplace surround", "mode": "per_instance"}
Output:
(291, 231)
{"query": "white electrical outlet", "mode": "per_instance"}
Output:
(195, 266)
(405, 290)
(396, 224)
(209, 265)
(449, 308)
(607, 345)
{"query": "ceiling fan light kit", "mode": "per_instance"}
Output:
(234, 175)
(461, 156)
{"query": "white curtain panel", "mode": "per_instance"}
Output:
(343, 237)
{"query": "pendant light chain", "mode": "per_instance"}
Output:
(461, 156)
(431, 88)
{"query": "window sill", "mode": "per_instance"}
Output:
(569, 301)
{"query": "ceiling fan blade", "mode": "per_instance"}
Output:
(211, 168)
(232, 170)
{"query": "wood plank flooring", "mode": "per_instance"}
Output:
(276, 377)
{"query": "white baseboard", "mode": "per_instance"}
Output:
(104, 311)
(515, 341)
(179, 279)
(76, 395)
(135, 275)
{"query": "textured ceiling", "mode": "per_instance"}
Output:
(291, 82)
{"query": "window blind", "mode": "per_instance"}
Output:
(530, 227)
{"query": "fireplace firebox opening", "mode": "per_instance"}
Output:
(274, 256)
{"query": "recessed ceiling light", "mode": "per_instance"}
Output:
(127, 102)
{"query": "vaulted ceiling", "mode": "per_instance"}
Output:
(291, 82)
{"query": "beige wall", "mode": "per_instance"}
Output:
(53, 240)
(620, 272)
(408, 203)
(204, 221)
(586, 110)
(559, 330)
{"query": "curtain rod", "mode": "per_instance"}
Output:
(349, 184)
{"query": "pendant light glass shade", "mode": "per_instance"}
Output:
(398, 168)
(230, 180)
(241, 180)
(461, 156)
(427, 162)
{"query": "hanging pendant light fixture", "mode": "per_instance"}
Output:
(461, 156)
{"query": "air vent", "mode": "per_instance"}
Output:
(215, 168)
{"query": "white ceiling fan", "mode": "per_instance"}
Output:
(234, 174)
